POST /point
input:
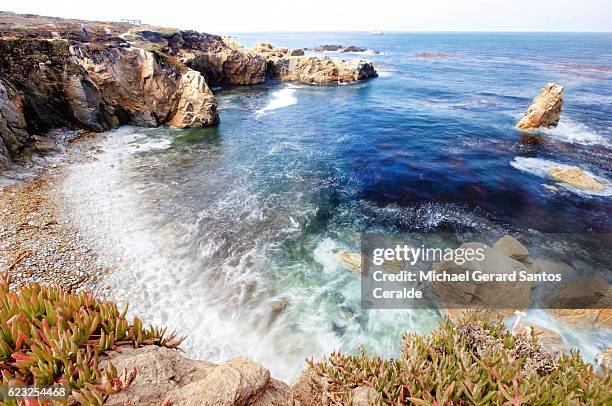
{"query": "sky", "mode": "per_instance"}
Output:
(229, 16)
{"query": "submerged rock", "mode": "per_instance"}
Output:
(512, 248)
(484, 295)
(545, 110)
(351, 261)
(585, 318)
(576, 177)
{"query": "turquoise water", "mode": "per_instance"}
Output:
(229, 234)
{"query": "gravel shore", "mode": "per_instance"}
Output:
(38, 242)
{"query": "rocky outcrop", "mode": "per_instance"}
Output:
(55, 76)
(164, 376)
(283, 64)
(145, 90)
(576, 177)
(53, 84)
(545, 109)
(314, 70)
(13, 133)
(222, 61)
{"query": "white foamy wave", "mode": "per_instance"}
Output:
(541, 167)
(281, 98)
(150, 145)
(575, 132)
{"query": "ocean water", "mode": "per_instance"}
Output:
(229, 234)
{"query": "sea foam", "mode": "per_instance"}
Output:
(576, 133)
(541, 167)
(281, 98)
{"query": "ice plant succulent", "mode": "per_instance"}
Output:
(475, 362)
(49, 336)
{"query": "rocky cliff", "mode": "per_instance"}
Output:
(96, 76)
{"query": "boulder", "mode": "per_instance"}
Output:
(545, 110)
(512, 248)
(195, 104)
(324, 48)
(309, 389)
(483, 295)
(576, 177)
(165, 376)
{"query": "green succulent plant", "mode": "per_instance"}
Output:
(49, 336)
(474, 362)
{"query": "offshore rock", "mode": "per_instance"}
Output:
(292, 65)
(576, 177)
(545, 109)
(315, 70)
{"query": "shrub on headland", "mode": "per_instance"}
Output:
(476, 362)
(48, 336)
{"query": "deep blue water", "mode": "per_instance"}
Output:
(234, 230)
(440, 129)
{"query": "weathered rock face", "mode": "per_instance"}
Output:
(13, 133)
(292, 65)
(146, 91)
(165, 376)
(310, 69)
(576, 177)
(226, 62)
(49, 85)
(545, 109)
(54, 76)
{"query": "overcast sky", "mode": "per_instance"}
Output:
(225, 16)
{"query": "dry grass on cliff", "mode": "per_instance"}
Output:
(477, 362)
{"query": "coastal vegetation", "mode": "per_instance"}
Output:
(49, 336)
(474, 362)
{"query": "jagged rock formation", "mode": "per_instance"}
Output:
(284, 64)
(54, 75)
(48, 84)
(545, 109)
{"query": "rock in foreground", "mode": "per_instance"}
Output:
(545, 109)
(576, 177)
(164, 376)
